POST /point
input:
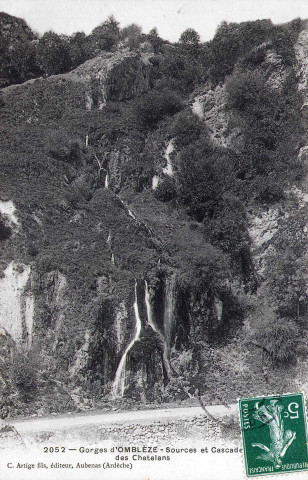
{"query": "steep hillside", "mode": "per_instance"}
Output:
(153, 225)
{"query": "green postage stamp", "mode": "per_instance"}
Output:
(274, 433)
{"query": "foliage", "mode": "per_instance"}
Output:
(246, 90)
(203, 233)
(132, 36)
(155, 105)
(53, 55)
(190, 37)
(285, 275)
(190, 42)
(202, 176)
(24, 372)
(79, 49)
(228, 230)
(234, 41)
(271, 128)
(105, 36)
(155, 40)
(5, 231)
(23, 62)
(166, 189)
(278, 337)
(186, 128)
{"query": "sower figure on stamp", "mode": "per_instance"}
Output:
(271, 415)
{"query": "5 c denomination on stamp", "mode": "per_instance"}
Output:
(274, 433)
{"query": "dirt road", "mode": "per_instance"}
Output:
(64, 422)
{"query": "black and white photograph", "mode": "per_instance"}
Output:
(153, 237)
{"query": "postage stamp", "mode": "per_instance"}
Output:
(274, 434)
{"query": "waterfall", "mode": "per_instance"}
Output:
(130, 213)
(155, 182)
(118, 388)
(107, 180)
(87, 140)
(149, 310)
(154, 327)
(112, 258)
(169, 307)
(168, 170)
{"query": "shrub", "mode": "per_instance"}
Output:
(166, 189)
(24, 373)
(186, 128)
(245, 89)
(132, 36)
(154, 106)
(105, 36)
(269, 190)
(5, 231)
(278, 337)
(53, 55)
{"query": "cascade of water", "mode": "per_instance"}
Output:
(87, 140)
(154, 327)
(130, 213)
(107, 180)
(168, 170)
(112, 258)
(149, 309)
(120, 377)
(155, 182)
(169, 307)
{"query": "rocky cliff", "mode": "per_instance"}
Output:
(154, 241)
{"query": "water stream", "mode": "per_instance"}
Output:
(118, 388)
(168, 170)
(169, 307)
(166, 346)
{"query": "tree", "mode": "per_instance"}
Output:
(53, 53)
(105, 36)
(190, 38)
(79, 50)
(190, 43)
(155, 105)
(132, 36)
(23, 63)
(155, 40)
(186, 128)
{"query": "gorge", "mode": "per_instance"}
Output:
(153, 219)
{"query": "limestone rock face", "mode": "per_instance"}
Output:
(301, 51)
(211, 108)
(113, 76)
(16, 307)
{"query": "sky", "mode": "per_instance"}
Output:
(171, 17)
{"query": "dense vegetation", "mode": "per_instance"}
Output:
(198, 218)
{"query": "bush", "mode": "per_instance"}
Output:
(24, 374)
(166, 189)
(5, 231)
(186, 128)
(278, 337)
(53, 55)
(154, 106)
(245, 89)
(269, 190)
